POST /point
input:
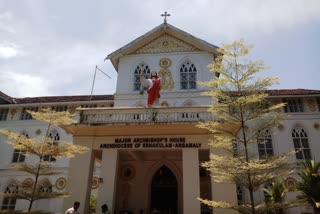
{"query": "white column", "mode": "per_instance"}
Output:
(79, 181)
(223, 192)
(191, 181)
(107, 189)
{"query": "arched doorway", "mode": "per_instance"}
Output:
(164, 191)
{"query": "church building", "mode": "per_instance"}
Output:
(144, 159)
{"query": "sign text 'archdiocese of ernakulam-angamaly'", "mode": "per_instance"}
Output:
(149, 142)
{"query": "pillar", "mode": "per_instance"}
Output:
(191, 181)
(107, 189)
(79, 181)
(223, 192)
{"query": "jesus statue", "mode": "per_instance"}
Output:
(153, 87)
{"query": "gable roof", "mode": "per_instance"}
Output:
(55, 99)
(58, 99)
(162, 29)
(6, 98)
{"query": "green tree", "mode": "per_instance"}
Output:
(41, 147)
(276, 195)
(240, 100)
(310, 184)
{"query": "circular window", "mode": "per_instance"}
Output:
(165, 63)
(165, 43)
(95, 183)
(61, 183)
(127, 172)
(290, 183)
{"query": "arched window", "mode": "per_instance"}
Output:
(19, 155)
(188, 76)
(45, 186)
(146, 70)
(301, 144)
(10, 203)
(54, 138)
(265, 147)
(267, 196)
(293, 105)
(189, 103)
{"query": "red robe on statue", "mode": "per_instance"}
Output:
(154, 92)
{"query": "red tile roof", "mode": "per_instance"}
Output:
(290, 92)
(54, 99)
(79, 98)
(6, 97)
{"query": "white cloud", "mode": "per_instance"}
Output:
(62, 45)
(232, 17)
(6, 18)
(23, 85)
(7, 51)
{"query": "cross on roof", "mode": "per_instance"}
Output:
(165, 16)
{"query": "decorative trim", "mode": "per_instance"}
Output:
(290, 183)
(164, 94)
(164, 104)
(127, 172)
(167, 82)
(165, 44)
(95, 182)
(61, 183)
(27, 184)
(38, 132)
(165, 63)
(280, 127)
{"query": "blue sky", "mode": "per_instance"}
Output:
(51, 47)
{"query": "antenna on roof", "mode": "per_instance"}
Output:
(94, 79)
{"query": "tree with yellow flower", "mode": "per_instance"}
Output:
(240, 100)
(41, 147)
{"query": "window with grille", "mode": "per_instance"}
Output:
(59, 108)
(293, 105)
(240, 195)
(188, 76)
(136, 81)
(265, 147)
(235, 148)
(89, 106)
(19, 155)
(267, 196)
(45, 189)
(301, 144)
(10, 203)
(25, 115)
(55, 137)
(3, 114)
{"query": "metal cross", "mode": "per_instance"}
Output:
(165, 16)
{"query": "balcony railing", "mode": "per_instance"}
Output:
(99, 116)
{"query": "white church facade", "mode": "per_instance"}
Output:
(141, 158)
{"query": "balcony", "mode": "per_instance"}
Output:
(137, 115)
